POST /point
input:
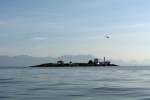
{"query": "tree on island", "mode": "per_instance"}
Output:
(90, 62)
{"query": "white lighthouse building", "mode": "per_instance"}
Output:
(96, 61)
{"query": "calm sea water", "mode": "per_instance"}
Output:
(69, 83)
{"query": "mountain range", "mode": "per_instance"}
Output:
(25, 60)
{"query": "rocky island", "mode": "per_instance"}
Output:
(61, 63)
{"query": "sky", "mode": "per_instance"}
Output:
(43, 28)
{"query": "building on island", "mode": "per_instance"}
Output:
(60, 62)
(96, 61)
(104, 63)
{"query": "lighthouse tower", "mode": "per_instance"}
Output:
(104, 60)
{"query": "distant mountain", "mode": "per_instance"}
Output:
(22, 60)
(132, 62)
(25, 60)
(145, 62)
(125, 63)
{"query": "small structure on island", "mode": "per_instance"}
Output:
(105, 63)
(60, 62)
(96, 61)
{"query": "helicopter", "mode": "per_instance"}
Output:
(107, 36)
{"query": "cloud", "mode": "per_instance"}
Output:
(42, 39)
(39, 39)
(58, 38)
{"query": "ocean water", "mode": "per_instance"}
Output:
(75, 83)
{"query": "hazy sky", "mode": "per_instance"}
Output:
(72, 27)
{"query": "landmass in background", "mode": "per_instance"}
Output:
(25, 60)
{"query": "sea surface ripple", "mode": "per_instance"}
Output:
(75, 83)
